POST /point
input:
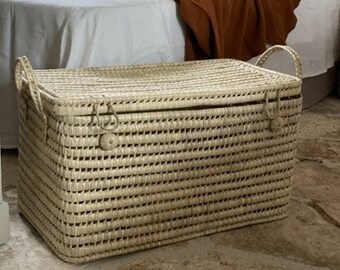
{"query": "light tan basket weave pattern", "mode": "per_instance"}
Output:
(118, 159)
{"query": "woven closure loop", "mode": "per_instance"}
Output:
(265, 56)
(276, 121)
(113, 118)
(24, 72)
(108, 141)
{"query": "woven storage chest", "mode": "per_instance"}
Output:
(118, 159)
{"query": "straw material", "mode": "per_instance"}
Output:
(118, 159)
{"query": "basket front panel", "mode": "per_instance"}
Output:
(171, 175)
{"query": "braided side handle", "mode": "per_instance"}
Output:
(24, 71)
(265, 56)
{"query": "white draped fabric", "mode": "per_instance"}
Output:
(79, 33)
(316, 37)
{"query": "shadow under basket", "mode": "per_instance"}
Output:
(118, 159)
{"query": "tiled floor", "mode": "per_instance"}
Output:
(308, 239)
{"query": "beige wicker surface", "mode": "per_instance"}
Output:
(114, 160)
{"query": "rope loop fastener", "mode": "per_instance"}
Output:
(108, 140)
(276, 122)
(114, 119)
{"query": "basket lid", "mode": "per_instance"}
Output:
(156, 86)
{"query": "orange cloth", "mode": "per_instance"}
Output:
(237, 29)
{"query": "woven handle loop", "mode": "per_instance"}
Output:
(265, 56)
(24, 71)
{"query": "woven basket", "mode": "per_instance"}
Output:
(118, 159)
